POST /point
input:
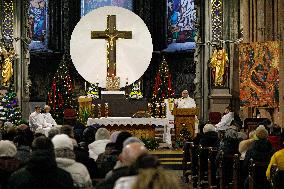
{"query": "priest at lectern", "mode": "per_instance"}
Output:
(185, 101)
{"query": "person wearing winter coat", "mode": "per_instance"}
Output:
(261, 151)
(210, 137)
(41, 171)
(97, 147)
(8, 162)
(65, 159)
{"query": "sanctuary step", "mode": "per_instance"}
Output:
(170, 159)
(119, 105)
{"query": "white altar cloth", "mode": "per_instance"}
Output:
(165, 122)
(128, 121)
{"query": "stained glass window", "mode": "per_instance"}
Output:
(181, 27)
(217, 19)
(8, 22)
(89, 5)
(38, 24)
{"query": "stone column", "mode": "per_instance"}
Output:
(220, 98)
(21, 76)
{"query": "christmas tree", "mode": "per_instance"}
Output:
(9, 108)
(60, 95)
(163, 83)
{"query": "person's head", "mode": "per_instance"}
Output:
(156, 179)
(10, 133)
(89, 134)
(37, 108)
(261, 132)
(52, 132)
(21, 140)
(131, 152)
(184, 93)
(68, 130)
(114, 135)
(7, 148)
(208, 128)
(63, 146)
(228, 109)
(102, 134)
(122, 136)
(47, 108)
(146, 161)
(42, 143)
(132, 140)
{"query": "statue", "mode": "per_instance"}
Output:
(7, 66)
(218, 65)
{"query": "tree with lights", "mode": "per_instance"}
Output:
(60, 95)
(9, 108)
(163, 83)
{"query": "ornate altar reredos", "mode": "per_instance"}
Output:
(111, 45)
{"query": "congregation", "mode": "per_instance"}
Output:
(78, 157)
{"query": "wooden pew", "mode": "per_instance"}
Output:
(202, 166)
(193, 165)
(212, 168)
(276, 178)
(227, 176)
(236, 171)
(257, 177)
(185, 160)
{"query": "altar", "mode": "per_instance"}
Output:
(139, 127)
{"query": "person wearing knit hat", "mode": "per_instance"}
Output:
(261, 132)
(208, 128)
(41, 171)
(65, 159)
(8, 161)
(97, 147)
(7, 148)
(261, 150)
(210, 136)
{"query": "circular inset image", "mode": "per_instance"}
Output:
(111, 40)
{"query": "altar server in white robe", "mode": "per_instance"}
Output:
(185, 101)
(226, 120)
(48, 117)
(36, 120)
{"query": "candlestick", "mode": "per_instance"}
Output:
(85, 86)
(99, 111)
(106, 110)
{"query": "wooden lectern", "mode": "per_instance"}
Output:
(185, 118)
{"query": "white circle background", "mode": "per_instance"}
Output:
(133, 56)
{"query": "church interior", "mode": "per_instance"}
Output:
(142, 94)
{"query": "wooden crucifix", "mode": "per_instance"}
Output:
(111, 35)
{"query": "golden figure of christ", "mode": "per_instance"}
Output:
(111, 35)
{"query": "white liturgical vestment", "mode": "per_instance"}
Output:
(36, 120)
(49, 119)
(186, 103)
(225, 121)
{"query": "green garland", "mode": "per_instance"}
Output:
(150, 143)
